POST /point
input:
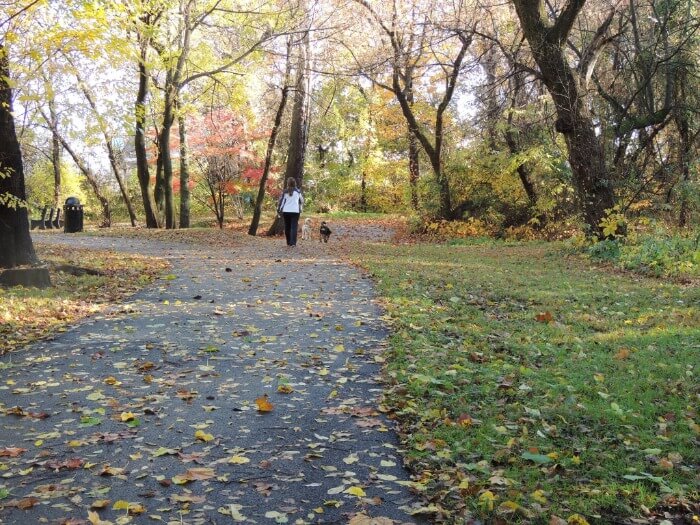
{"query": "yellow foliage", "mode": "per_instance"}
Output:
(577, 519)
(458, 229)
(486, 500)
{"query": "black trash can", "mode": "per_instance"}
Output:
(72, 215)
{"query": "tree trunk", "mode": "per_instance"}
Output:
(85, 169)
(92, 181)
(681, 113)
(55, 157)
(17, 247)
(413, 153)
(120, 180)
(298, 136)
(413, 168)
(142, 171)
(586, 154)
(159, 187)
(109, 143)
(523, 170)
(363, 192)
(184, 174)
(432, 149)
(255, 221)
(165, 157)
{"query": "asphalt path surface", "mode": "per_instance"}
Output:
(150, 412)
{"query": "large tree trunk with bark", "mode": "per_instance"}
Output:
(586, 155)
(17, 247)
(298, 136)
(142, 171)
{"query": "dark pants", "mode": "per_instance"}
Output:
(291, 225)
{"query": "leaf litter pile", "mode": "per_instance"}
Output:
(242, 387)
(532, 388)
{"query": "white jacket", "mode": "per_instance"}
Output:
(291, 203)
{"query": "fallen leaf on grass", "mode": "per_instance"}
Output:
(486, 500)
(622, 353)
(544, 317)
(536, 458)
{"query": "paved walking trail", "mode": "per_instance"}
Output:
(152, 406)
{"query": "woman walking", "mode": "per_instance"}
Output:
(289, 206)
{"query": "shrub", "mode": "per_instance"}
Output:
(659, 254)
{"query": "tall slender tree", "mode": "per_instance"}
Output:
(257, 210)
(298, 134)
(407, 52)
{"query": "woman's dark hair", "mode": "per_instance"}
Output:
(291, 186)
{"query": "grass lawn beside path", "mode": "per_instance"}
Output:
(30, 314)
(532, 387)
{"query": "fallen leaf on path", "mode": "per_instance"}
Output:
(203, 436)
(23, 504)
(355, 491)
(12, 452)
(193, 474)
(264, 404)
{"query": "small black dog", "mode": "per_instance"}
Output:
(325, 232)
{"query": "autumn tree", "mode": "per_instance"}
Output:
(433, 46)
(547, 39)
(225, 161)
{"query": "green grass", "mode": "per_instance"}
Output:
(547, 415)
